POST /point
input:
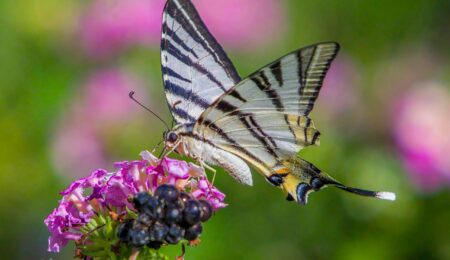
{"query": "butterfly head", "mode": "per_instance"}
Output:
(170, 138)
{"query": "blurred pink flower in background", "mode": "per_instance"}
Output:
(106, 95)
(243, 24)
(421, 127)
(395, 75)
(103, 105)
(111, 25)
(338, 94)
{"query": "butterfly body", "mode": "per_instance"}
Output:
(207, 154)
(262, 120)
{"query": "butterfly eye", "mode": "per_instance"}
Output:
(171, 137)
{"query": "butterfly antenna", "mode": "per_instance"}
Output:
(162, 153)
(157, 146)
(131, 95)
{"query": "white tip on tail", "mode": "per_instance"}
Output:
(385, 195)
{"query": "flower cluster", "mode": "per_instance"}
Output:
(104, 199)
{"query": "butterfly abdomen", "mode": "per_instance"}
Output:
(298, 178)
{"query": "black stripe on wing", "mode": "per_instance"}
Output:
(314, 63)
(263, 84)
(187, 61)
(250, 124)
(183, 93)
(231, 142)
(275, 68)
(176, 39)
(183, 114)
(177, 9)
(311, 65)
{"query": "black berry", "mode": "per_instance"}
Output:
(153, 208)
(206, 210)
(184, 197)
(144, 219)
(124, 230)
(175, 234)
(167, 193)
(193, 232)
(155, 244)
(139, 237)
(173, 214)
(192, 212)
(158, 231)
(140, 200)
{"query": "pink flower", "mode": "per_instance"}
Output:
(421, 130)
(109, 26)
(60, 223)
(178, 169)
(95, 180)
(101, 108)
(205, 190)
(110, 192)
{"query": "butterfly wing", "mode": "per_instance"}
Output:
(196, 70)
(264, 119)
(268, 125)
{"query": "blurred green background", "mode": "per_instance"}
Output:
(62, 115)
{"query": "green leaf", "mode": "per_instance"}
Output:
(152, 254)
(131, 213)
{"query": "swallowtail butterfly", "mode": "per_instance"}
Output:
(261, 121)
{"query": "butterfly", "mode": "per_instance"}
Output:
(261, 121)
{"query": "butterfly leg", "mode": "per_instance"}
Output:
(206, 166)
(214, 177)
(166, 152)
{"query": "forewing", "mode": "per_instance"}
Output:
(265, 117)
(196, 70)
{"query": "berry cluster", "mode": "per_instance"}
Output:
(166, 217)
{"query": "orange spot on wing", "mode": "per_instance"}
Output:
(284, 170)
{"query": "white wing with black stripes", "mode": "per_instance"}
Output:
(264, 118)
(196, 70)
